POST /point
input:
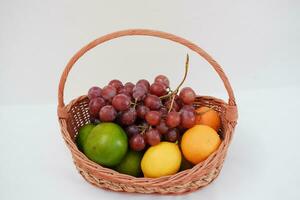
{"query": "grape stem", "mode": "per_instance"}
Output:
(172, 102)
(144, 129)
(135, 103)
(173, 93)
(181, 83)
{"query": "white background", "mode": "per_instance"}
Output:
(257, 43)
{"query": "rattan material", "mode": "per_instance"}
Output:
(75, 114)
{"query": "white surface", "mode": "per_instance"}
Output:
(257, 42)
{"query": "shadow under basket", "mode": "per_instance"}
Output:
(75, 114)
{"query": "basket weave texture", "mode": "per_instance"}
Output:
(75, 114)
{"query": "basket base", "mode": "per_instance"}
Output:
(172, 190)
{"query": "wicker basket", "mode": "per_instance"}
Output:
(75, 114)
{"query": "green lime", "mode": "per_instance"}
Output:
(84, 131)
(106, 144)
(131, 163)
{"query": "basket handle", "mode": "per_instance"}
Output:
(146, 32)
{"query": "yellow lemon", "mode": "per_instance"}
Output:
(161, 160)
(199, 142)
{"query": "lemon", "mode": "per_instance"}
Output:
(161, 160)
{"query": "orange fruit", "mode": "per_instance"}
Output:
(199, 142)
(208, 116)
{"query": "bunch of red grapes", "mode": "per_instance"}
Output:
(148, 113)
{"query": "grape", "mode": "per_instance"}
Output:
(163, 111)
(116, 84)
(95, 105)
(163, 80)
(107, 114)
(173, 119)
(153, 102)
(108, 92)
(153, 137)
(153, 118)
(121, 102)
(123, 91)
(139, 92)
(94, 92)
(145, 83)
(128, 117)
(188, 119)
(162, 127)
(187, 95)
(137, 142)
(145, 138)
(172, 135)
(142, 111)
(178, 101)
(94, 120)
(175, 106)
(188, 108)
(144, 87)
(129, 87)
(158, 89)
(132, 130)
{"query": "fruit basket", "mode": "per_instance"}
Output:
(75, 114)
